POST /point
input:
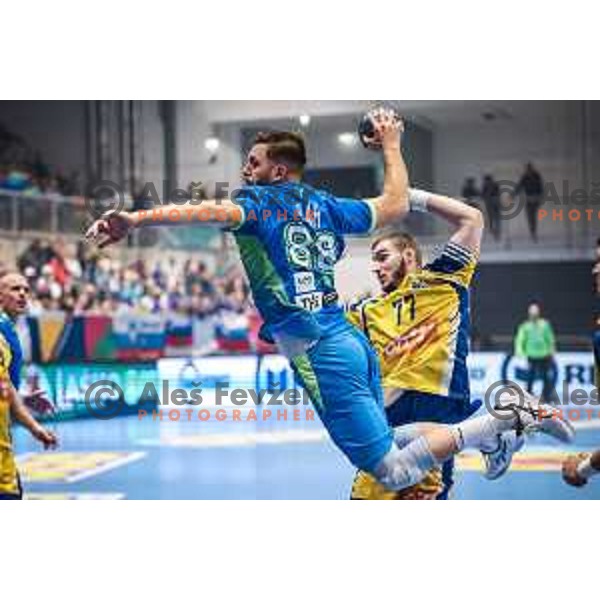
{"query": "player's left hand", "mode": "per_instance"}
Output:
(110, 228)
(387, 127)
(38, 402)
(569, 470)
(48, 438)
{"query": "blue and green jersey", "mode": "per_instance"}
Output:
(290, 239)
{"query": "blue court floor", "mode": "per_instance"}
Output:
(130, 458)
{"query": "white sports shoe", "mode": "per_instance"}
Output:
(498, 461)
(532, 416)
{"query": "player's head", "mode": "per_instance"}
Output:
(393, 255)
(534, 311)
(14, 294)
(275, 156)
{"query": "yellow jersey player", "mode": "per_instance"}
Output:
(419, 327)
(14, 297)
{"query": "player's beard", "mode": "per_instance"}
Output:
(396, 278)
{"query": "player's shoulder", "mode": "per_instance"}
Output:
(360, 304)
(452, 258)
(6, 338)
(249, 192)
(320, 194)
(454, 253)
(6, 325)
(285, 191)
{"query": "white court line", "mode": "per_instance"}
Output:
(20, 457)
(536, 450)
(115, 464)
(221, 440)
(74, 496)
(586, 425)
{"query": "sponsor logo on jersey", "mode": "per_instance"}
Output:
(411, 341)
(311, 302)
(304, 282)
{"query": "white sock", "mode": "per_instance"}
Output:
(481, 432)
(585, 468)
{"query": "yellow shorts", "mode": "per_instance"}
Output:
(366, 487)
(9, 476)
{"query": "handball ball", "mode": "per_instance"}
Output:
(366, 128)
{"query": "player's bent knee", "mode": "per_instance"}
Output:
(396, 475)
(403, 468)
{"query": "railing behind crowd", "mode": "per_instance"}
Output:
(570, 236)
(56, 215)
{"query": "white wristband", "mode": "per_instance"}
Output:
(585, 469)
(417, 200)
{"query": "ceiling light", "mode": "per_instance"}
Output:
(347, 139)
(212, 144)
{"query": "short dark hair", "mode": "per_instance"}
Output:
(284, 147)
(401, 240)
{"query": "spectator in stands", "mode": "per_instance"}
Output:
(31, 257)
(39, 168)
(71, 262)
(490, 194)
(16, 179)
(532, 184)
(535, 342)
(470, 192)
(58, 264)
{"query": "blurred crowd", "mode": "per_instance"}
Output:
(30, 180)
(78, 280)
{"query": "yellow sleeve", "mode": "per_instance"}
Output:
(353, 316)
(456, 263)
(355, 313)
(5, 358)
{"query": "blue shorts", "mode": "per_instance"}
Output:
(419, 407)
(341, 375)
(11, 496)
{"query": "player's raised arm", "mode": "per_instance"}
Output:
(467, 221)
(392, 206)
(113, 226)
